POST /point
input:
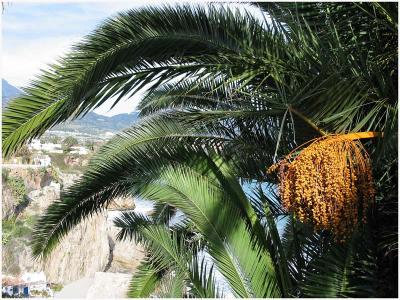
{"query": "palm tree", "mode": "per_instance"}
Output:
(228, 95)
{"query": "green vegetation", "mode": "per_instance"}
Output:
(90, 145)
(25, 153)
(31, 171)
(40, 294)
(229, 96)
(17, 187)
(15, 228)
(57, 160)
(53, 172)
(68, 143)
(56, 287)
(50, 171)
(30, 221)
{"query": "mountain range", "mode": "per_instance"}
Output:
(8, 92)
(91, 123)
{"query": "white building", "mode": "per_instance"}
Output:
(35, 145)
(25, 286)
(37, 282)
(79, 150)
(49, 147)
(34, 277)
(42, 160)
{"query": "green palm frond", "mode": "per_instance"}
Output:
(131, 225)
(167, 253)
(122, 56)
(274, 240)
(167, 249)
(136, 151)
(163, 213)
(144, 281)
(172, 254)
(229, 242)
(343, 271)
(351, 83)
(202, 275)
(203, 93)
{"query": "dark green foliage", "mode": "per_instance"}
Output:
(345, 270)
(385, 226)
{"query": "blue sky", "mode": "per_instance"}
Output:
(36, 34)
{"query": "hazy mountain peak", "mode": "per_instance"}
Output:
(8, 92)
(91, 122)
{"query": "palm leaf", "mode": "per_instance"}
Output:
(185, 187)
(122, 56)
(144, 281)
(344, 271)
(204, 285)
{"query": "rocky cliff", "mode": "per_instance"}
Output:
(89, 248)
(82, 253)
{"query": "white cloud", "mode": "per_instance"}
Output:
(23, 57)
(125, 105)
(22, 60)
(34, 37)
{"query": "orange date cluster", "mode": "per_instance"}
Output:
(329, 183)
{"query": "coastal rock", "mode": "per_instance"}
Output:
(89, 247)
(109, 285)
(8, 203)
(122, 203)
(42, 198)
(83, 252)
(127, 255)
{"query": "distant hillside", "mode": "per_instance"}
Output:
(92, 123)
(8, 92)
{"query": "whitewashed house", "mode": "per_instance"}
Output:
(42, 160)
(79, 150)
(36, 281)
(16, 161)
(35, 145)
(25, 286)
(52, 148)
(14, 287)
(49, 147)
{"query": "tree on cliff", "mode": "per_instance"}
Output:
(25, 153)
(68, 143)
(230, 94)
